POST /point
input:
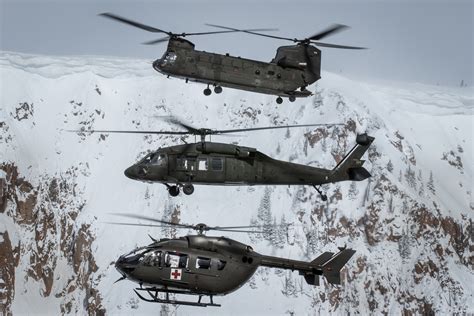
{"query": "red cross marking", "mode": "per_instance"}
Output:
(175, 274)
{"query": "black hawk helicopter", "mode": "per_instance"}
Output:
(211, 163)
(287, 75)
(208, 266)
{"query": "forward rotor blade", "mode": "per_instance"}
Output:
(152, 220)
(270, 127)
(252, 32)
(230, 31)
(250, 226)
(157, 41)
(330, 30)
(130, 132)
(337, 46)
(133, 23)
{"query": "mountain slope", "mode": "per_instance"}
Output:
(411, 224)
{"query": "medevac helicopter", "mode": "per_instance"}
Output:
(208, 266)
(287, 75)
(213, 163)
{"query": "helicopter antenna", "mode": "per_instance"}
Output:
(201, 228)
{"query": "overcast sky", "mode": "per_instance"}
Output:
(417, 41)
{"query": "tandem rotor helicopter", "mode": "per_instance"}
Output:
(288, 74)
(208, 266)
(212, 163)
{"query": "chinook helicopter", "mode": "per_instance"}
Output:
(288, 74)
(212, 163)
(208, 266)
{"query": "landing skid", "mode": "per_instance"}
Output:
(154, 298)
(323, 196)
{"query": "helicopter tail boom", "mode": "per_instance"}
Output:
(350, 167)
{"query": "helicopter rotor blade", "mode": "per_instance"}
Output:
(157, 41)
(230, 31)
(270, 127)
(140, 225)
(252, 32)
(176, 121)
(153, 220)
(335, 28)
(130, 132)
(133, 23)
(337, 46)
(239, 231)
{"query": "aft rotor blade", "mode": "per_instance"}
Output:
(252, 32)
(330, 30)
(229, 31)
(130, 132)
(152, 220)
(337, 46)
(271, 127)
(133, 23)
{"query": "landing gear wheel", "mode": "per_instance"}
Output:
(292, 98)
(218, 89)
(279, 100)
(173, 190)
(188, 189)
(207, 91)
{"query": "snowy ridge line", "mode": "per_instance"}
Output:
(55, 67)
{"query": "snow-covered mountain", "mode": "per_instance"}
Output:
(411, 223)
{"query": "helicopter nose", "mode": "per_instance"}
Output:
(131, 172)
(124, 266)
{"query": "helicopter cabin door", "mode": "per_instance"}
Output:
(210, 169)
(183, 167)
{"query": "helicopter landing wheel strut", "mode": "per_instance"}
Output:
(217, 89)
(207, 91)
(292, 98)
(324, 197)
(188, 189)
(279, 100)
(173, 190)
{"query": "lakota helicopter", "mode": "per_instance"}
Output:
(294, 67)
(208, 266)
(227, 164)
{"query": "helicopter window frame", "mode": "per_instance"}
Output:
(203, 263)
(271, 73)
(217, 164)
(203, 164)
(179, 260)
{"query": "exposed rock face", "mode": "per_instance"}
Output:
(44, 217)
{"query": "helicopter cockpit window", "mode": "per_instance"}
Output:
(203, 263)
(217, 164)
(169, 58)
(152, 258)
(158, 159)
(176, 260)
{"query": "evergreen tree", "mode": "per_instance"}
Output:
(430, 184)
(390, 166)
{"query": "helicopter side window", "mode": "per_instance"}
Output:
(217, 164)
(181, 164)
(176, 260)
(203, 263)
(202, 164)
(153, 259)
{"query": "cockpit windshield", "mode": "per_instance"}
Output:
(169, 58)
(155, 159)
